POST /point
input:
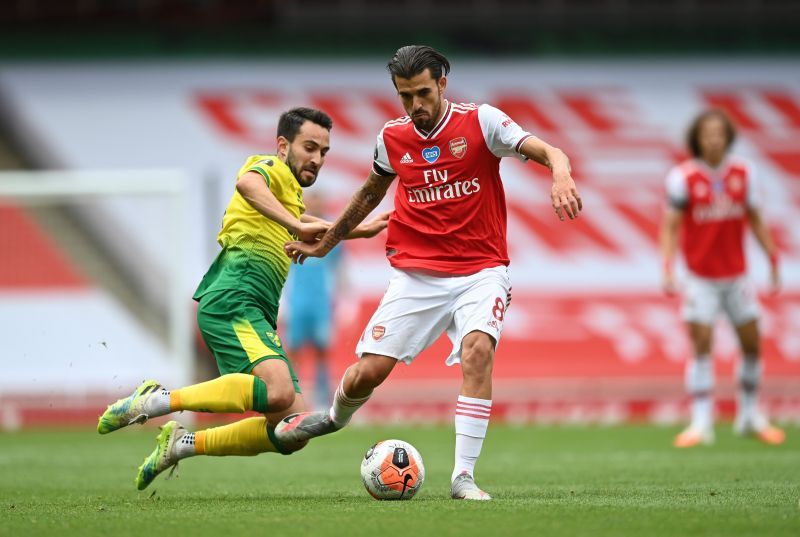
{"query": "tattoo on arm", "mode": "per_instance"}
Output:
(362, 203)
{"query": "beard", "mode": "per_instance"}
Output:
(427, 123)
(297, 170)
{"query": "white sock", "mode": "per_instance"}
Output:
(344, 407)
(472, 420)
(699, 384)
(185, 447)
(748, 373)
(157, 403)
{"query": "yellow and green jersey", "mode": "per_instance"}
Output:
(252, 257)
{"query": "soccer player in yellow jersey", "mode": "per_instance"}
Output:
(238, 309)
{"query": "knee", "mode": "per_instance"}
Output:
(367, 376)
(280, 397)
(477, 356)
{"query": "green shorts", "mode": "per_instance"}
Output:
(237, 333)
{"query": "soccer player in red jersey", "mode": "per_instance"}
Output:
(712, 198)
(446, 244)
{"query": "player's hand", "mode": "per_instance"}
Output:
(565, 197)
(311, 231)
(299, 251)
(369, 229)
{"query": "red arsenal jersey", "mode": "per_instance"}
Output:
(715, 202)
(449, 208)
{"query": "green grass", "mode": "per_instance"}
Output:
(547, 481)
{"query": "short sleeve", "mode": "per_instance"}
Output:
(261, 167)
(380, 162)
(503, 136)
(677, 195)
(754, 188)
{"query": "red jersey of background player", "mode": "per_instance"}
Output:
(715, 203)
(449, 208)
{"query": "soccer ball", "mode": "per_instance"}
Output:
(392, 470)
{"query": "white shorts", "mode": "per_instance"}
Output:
(704, 298)
(418, 307)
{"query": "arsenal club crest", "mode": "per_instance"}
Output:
(377, 332)
(458, 147)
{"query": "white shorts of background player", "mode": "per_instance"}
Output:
(705, 298)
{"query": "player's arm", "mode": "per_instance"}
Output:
(564, 193)
(764, 239)
(362, 203)
(365, 230)
(254, 190)
(668, 244)
(311, 218)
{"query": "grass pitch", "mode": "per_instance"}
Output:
(548, 481)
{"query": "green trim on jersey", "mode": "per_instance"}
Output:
(261, 171)
(252, 257)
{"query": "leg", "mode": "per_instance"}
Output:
(413, 313)
(749, 419)
(367, 374)
(699, 381)
(472, 413)
(478, 314)
(277, 377)
(356, 386)
(701, 306)
(242, 340)
(236, 392)
(247, 437)
(748, 373)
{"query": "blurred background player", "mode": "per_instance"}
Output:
(238, 308)
(446, 244)
(310, 301)
(712, 198)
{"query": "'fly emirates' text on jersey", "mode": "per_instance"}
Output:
(450, 211)
(715, 204)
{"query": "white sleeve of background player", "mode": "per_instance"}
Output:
(380, 163)
(677, 195)
(503, 137)
(755, 190)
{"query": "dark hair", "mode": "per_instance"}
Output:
(693, 135)
(411, 60)
(290, 121)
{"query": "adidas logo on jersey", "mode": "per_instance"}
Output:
(406, 159)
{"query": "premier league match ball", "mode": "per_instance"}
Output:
(392, 470)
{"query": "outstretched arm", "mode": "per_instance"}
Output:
(564, 193)
(765, 240)
(364, 230)
(362, 203)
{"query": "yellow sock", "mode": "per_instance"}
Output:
(235, 392)
(245, 437)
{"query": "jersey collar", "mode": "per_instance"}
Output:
(439, 126)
